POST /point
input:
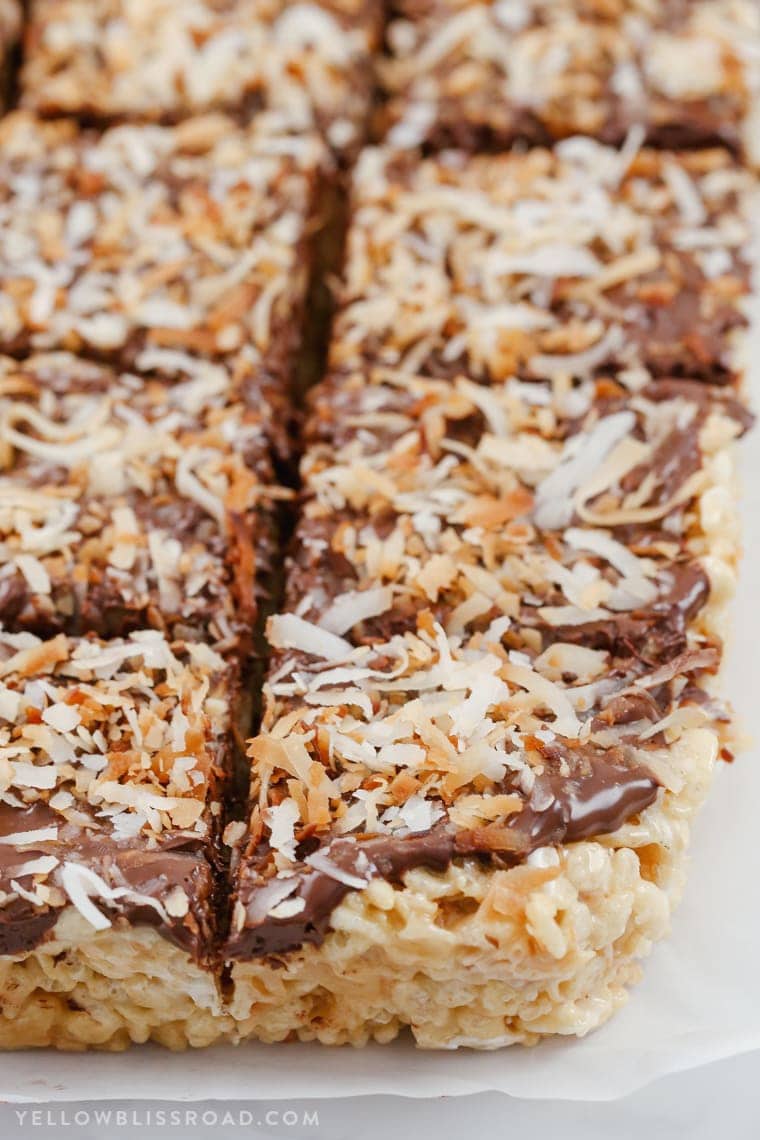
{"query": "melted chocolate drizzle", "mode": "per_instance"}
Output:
(596, 802)
(150, 873)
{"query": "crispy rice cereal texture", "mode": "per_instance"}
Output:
(162, 59)
(484, 959)
(106, 990)
(467, 73)
(115, 758)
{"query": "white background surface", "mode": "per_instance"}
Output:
(722, 1100)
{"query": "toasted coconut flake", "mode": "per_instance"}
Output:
(34, 572)
(583, 456)
(287, 631)
(177, 904)
(418, 815)
(42, 866)
(30, 838)
(42, 776)
(580, 363)
(61, 717)
(356, 606)
(288, 908)
(562, 658)
(81, 882)
(546, 693)
(607, 547)
(571, 615)
(321, 861)
(692, 661)
(282, 819)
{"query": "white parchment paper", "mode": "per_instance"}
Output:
(699, 1001)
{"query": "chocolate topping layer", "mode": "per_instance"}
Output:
(155, 498)
(580, 807)
(116, 759)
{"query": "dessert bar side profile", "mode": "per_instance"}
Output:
(116, 755)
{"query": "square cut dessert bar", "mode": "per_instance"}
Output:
(195, 238)
(433, 494)
(686, 72)
(566, 261)
(489, 718)
(166, 59)
(130, 501)
(115, 756)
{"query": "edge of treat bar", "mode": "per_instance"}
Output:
(115, 759)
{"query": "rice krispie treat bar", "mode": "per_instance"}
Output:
(489, 719)
(115, 756)
(687, 72)
(129, 501)
(166, 59)
(193, 238)
(438, 495)
(564, 262)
